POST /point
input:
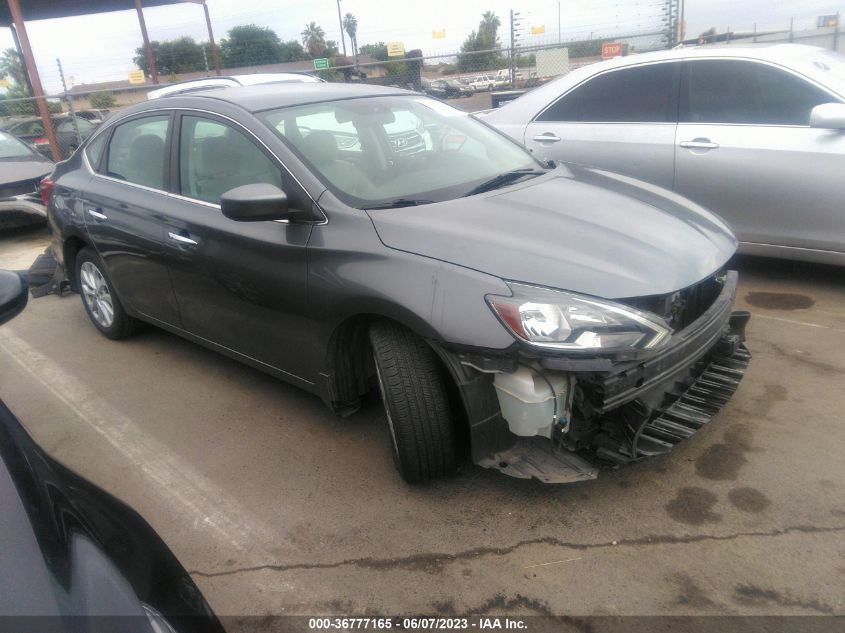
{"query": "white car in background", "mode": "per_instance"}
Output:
(208, 83)
(755, 133)
(482, 82)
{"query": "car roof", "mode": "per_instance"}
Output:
(268, 96)
(229, 81)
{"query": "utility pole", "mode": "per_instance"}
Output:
(340, 23)
(558, 23)
(69, 103)
(515, 24)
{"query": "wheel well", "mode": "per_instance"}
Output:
(71, 249)
(352, 371)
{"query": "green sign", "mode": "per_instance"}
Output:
(321, 64)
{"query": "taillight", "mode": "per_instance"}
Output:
(41, 141)
(46, 188)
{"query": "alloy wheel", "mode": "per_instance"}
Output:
(95, 292)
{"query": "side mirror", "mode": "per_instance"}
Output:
(13, 295)
(258, 203)
(830, 116)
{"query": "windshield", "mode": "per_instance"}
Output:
(10, 147)
(379, 150)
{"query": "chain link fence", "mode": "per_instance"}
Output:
(21, 117)
(469, 80)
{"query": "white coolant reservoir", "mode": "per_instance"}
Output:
(530, 400)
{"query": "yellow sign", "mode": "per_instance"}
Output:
(439, 35)
(4, 83)
(538, 30)
(137, 77)
(395, 49)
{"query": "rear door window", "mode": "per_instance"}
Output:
(745, 92)
(641, 94)
(137, 151)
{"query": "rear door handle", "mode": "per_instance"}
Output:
(182, 239)
(97, 215)
(699, 143)
(548, 137)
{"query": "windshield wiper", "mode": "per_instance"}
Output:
(398, 203)
(503, 179)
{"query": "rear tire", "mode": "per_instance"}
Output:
(100, 299)
(416, 403)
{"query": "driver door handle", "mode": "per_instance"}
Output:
(97, 215)
(699, 143)
(547, 137)
(181, 239)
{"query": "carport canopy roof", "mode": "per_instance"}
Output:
(47, 9)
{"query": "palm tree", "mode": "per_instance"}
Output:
(11, 67)
(350, 25)
(489, 25)
(314, 39)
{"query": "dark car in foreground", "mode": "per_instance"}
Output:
(548, 320)
(74, 558)
(21, 171)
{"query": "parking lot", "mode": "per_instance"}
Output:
(275, 506)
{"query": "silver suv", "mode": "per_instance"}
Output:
(753, 133)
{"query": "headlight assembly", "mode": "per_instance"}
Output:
(568, 321)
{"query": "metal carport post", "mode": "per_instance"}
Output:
(34, 79)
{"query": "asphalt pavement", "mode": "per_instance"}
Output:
(278, 507)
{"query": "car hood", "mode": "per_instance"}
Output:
(21, 170)
(576, 228)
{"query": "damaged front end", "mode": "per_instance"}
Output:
(561, 415)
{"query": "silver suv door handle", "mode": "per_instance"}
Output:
(548, 137)
(181, 239)
(97, 215)
(700, 143)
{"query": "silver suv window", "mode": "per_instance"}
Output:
(640, 94)
(746, 92)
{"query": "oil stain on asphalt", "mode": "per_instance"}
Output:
(693, 506)
(779, 301)
(749, 500)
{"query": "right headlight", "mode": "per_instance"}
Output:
(568, 321)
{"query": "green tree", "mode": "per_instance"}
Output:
(291, 51)
(12, 68)
(489, 27)
(102, 100)
(182, 55)
(376, 51)
(483, 46)
(314, 40)
(350, 25)
(250, 45)
(331, 49)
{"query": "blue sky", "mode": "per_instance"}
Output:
(101, 47)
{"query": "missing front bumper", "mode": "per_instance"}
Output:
(650, 423)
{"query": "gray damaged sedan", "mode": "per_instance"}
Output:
(545, 321)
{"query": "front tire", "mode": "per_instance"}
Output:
(413, 389)
(100, 299)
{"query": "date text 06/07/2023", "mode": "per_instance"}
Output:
(416, 624)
